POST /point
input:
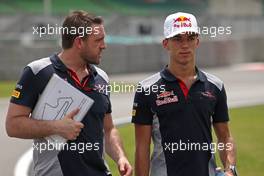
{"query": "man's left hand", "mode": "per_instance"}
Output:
(125, 169)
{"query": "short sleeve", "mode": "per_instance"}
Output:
(109, 107)
(25, 92)
(141, 113)
(221, 109)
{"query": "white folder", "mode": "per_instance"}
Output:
(58, 99)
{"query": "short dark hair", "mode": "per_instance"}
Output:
(77, 19)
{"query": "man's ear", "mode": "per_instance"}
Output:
(78, 42)
(165, 43)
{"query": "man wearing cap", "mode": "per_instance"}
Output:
(179, 114)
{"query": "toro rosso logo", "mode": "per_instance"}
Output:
(166, 97)
(182, 21)
(208, 94)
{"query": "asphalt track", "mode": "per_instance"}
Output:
(244, 85)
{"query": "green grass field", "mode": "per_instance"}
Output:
(100, 7)
(6, 88)
(247, 128)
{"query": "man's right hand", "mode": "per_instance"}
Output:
(67, 127)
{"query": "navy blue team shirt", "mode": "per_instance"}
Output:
(178, 115)
(68, 162)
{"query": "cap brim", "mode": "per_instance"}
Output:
(183, 31)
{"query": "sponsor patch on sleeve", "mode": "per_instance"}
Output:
(134, 112)
(15, 94)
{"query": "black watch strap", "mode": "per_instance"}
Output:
(233, 170)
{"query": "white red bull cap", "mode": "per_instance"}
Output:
(179, 23)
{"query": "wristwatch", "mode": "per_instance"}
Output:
(233, 169)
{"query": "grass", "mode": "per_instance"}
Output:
(6, 9)
(6, 88)
(99, 7)
(247, 128)
(58, 6)
(61, 7)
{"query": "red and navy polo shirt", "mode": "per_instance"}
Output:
(180, 117)
(89, 161)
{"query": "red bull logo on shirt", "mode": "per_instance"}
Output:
(182, 21)
(166, 97)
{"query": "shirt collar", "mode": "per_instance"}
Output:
(168, 76)
(58, 64)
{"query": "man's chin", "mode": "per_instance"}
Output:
(97, 62)
(94, 62)
(183, 62)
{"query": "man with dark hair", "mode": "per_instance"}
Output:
(78, 23)
(180, 114)
(81, 49)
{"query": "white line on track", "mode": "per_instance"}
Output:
(23, 164)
